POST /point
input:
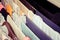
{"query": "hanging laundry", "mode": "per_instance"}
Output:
(4, 33)
(21, 24)
(10, 31)
(44, 27)
(39, 33)
(17, 31)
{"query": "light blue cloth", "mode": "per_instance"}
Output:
(20, 22)
(28, 32)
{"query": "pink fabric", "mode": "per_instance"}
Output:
(1, 6)
(26, 38)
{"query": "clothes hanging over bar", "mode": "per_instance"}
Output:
(21, 21)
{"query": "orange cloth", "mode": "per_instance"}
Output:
(9, 9)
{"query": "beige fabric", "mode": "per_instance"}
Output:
(55, 2)
(22, 7)
(17, 31)
(4, 29)
(30, 14)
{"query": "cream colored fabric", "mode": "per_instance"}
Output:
(1, 19)
(30, 14)
(55, 2)
(5, 37)
(22, 7)
(8, 2)
(17, 31)
(4, 33)
(17, 12)
(4, 28)
(16, 8)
